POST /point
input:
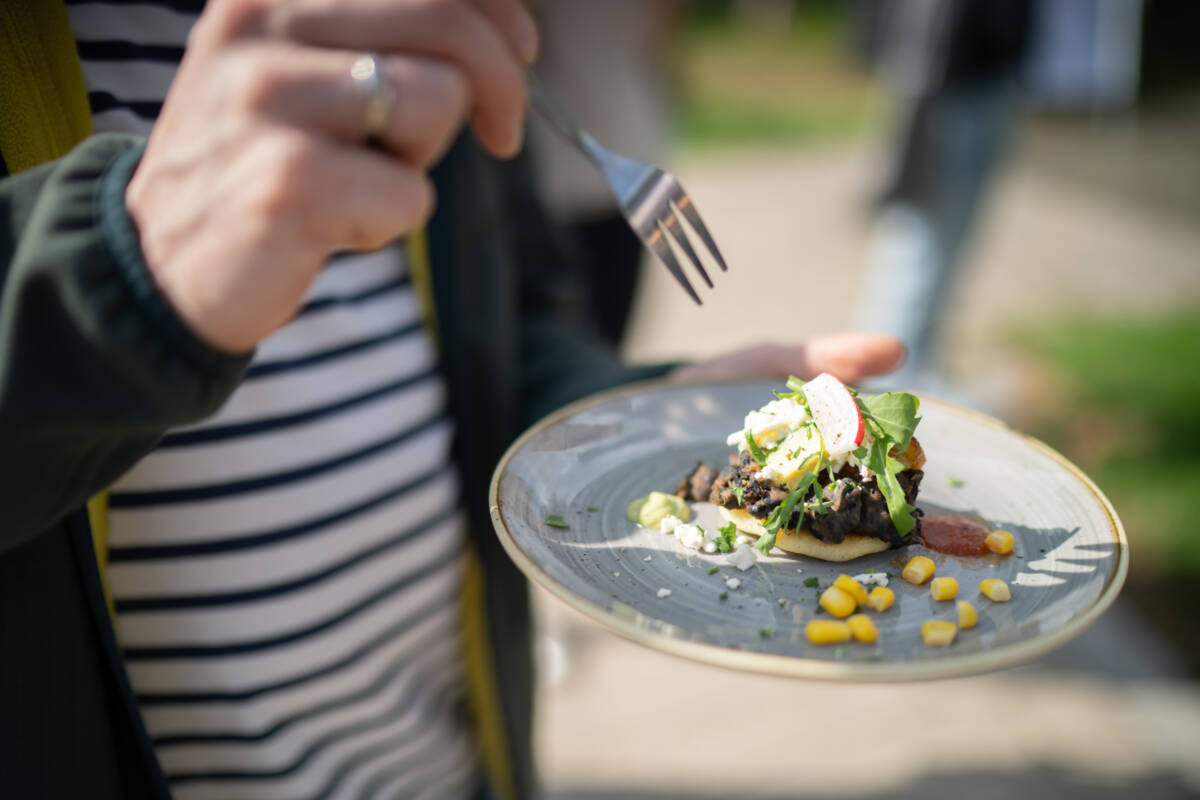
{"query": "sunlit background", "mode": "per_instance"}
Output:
(1071, 310)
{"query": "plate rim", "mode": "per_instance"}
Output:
(800, 667)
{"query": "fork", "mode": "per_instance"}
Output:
(650, 199)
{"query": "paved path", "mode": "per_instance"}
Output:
(1107, 716)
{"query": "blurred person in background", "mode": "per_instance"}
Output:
(606, 63)
(245, 549)
(951, 68)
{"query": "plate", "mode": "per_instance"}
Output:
(586, 462)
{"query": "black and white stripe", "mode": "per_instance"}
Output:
(286, 573)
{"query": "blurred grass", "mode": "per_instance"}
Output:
(1131, 419)
(742, 81)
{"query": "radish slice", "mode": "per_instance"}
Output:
(835, 413)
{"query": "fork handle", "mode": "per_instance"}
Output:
(549, 110)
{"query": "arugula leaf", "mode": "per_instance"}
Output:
(756, 452)
(782, 514)
(713, 569)
(556, 521)
(885, 469)
(892, 416)
(724, 541)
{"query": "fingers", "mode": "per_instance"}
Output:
(850, 357)
(378, 199)
(311, 89)
(451, 30)
(515, 23)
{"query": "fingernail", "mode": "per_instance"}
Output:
(527, 37)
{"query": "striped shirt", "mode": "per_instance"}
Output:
(286, 573)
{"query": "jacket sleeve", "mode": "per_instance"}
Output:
(94, 363)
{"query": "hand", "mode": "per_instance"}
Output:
(850, 357)
(258, 166)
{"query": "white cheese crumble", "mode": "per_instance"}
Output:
(670, 523)
(732, 583)
(664, 593)
(744, 557)
(696, 537)
(869, 578)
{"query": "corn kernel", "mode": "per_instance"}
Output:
(999, 542)
(918, 570)
(938, 633)
(880, 598)
(827, 631)
(862, 628)
(967, 615)
(838, 602)
(995, 590)
(852, 588)
(943, 588)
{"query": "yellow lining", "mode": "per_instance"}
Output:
(97, 509)
(483, 694)
(481, 682)
(420, 271)
(43, 101)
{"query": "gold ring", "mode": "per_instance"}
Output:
(367, 72)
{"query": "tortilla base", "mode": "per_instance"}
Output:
(803, 542)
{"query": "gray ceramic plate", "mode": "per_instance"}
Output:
(588, 461)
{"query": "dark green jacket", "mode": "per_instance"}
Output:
(95, 366)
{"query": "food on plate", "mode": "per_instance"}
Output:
(938, 633)
(943, 588)
(822, 471)
(995, 590)
(838, 602)
(880, 598)
(918, 570)
(852, 587)
(967, 615)
(862, 628)
(999, 542)
(828, 631)
(651, 510)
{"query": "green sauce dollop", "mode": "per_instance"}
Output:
(652, 509)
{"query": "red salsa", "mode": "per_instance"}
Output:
(955, 536)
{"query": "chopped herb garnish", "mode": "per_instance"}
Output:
(724, 542)
(870, 571)
(766, 633)
(955, 483)
(739, 492)
(713, 569)
(592, 509)
(724, 595)
(819, 610)
(756, 452)
(556, 521)
(811, 583)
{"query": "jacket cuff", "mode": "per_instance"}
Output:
(124, 246)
